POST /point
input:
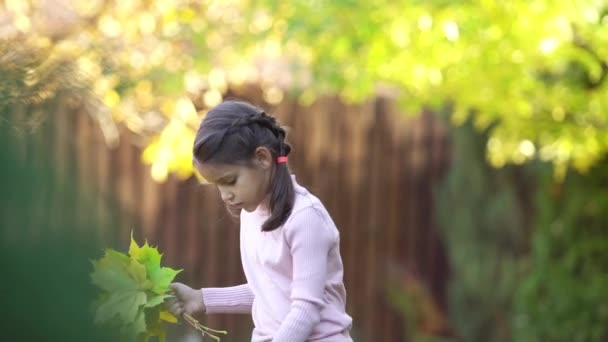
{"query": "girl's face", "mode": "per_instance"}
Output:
(240, 186)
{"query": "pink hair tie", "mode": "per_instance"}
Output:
(281, 159)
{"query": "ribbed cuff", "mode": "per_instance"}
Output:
(235, 299)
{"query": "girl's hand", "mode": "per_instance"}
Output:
(187, 300)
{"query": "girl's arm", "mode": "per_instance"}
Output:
(310, 239)
(234, 299)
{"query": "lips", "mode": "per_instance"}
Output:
(235, 205)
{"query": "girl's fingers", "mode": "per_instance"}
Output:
(176, 309)
(170, 301)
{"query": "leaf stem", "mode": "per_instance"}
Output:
(203, 329)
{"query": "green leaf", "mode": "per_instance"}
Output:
(149, 256)
(160, 277)
(156, 300)
(110, 273)
(139, 325)
(137, 272)
(133, 248)
(124, 304)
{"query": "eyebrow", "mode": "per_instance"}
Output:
(222, 179)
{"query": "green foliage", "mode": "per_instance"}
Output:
(564, 296)
(134, 287)
(534, 71)
(482, 219)
(506, 286)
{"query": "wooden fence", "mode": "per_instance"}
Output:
(374, 169)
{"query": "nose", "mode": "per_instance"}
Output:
(227, 196)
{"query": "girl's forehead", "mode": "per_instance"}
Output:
(213, 171)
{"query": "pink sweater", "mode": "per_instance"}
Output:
(294, 288)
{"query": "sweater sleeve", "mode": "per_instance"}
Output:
(234, 299)
(310, 238)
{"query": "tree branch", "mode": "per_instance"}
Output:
(583, 44)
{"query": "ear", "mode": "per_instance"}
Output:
(263, 157)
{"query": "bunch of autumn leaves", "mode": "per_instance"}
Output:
(133, 290)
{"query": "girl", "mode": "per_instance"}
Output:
(289, 244)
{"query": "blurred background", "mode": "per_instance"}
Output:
(460, 146)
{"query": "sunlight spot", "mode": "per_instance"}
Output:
(526, 148)
(591, 15)
(22, 23)
(399, 33)
(17, 6)
(147, 23)
(111, 99)
(494, 145)
(239, 74)
(212, 98)
(548, 45)
(435, 76)
(261, 22)
(273, 95)
(137, 59)
(109, 26)
(89, 67)
(217, 80)
(451, 31)
(425, 22)
(193, 81)
(87, 8)
(185, 110)
(159, 172)
(419, 72)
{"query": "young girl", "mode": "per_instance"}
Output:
(289, 245)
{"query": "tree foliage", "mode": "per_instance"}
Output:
(483, 222)
(535, 69)
(527, 253)
(564, 296)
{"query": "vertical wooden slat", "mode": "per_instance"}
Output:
(213, 214)
(33, 154)
(138, 185)
(84, 162)
(46, 153)
(150, 205)
(194, 244)
(369, 211)
(61, 153)
(103, 155)
(169, 230)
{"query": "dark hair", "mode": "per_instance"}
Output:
(230, 134)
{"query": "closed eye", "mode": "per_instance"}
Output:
(227, 181)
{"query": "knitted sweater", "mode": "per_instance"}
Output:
(294, 288)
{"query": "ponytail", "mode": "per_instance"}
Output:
(282, 196)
